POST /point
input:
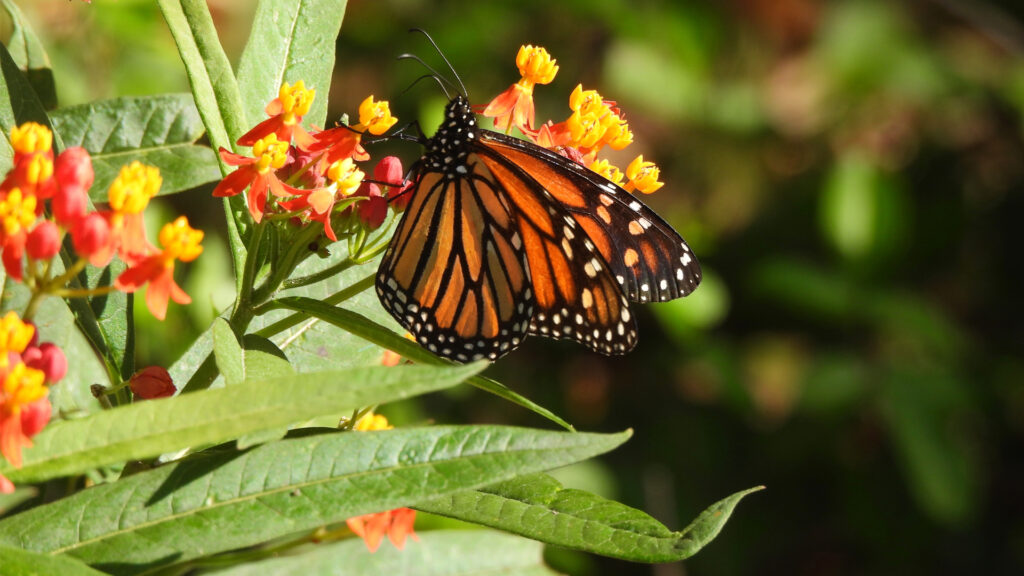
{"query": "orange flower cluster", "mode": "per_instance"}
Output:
(27, 370)
(31, 235)
(397, 524)
(593, 124)
(313, 176)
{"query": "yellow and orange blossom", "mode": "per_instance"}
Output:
(643, 176)
(17, 212)
(270, 153)
(608, 171)
(15, 336)
(375, 117)
(130, 192)
(180, 241)
(31, 138)
(295, 101)
(535, 65)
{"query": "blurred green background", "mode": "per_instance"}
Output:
(850, 174)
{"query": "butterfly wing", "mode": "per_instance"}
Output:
(649, 260)
(454, 274)
(576, 296)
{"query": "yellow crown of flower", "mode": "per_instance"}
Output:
(134, 186)
(17, 211)
(23, 385)
(536, 65)
(15, 335)
(346, 175)
(270, 153)
(295, 99)
(375, 117)
(180, 241)
(643, 175)
(30, 138)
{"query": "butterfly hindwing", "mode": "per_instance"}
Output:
(575, 294)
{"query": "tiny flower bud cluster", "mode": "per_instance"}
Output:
(593, 124)
(27, 370)
(313, 177)
(42, 199)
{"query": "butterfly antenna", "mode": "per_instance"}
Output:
(433, 73)
(465, 94)
(439, 81)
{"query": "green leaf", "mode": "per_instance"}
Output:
(367, 329)
(538, 507)
(228, 353)
(20, 494)
(153, 427)
(17, 562)
(107, 321)
(438, 553)
(290, 41)
(28, 52)
(20, 106)
(158, 131)
(209, 71)
(222, 501)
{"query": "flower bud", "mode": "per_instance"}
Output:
(49, 359)
(90, 234)
(374, 209)
(43, 241)
(389, 171)
(151, 383)
(73, 167)
(69, 204)
(34, 417)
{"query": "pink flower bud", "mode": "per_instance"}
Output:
(34, 417)
(48, 358)
(74, 168)
(90, 234)
(399, 198)
(69, 204)
(151, 383)
(374, 209)
(6, 486)
(43, 241)
(389, 171)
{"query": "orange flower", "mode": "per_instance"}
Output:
(257, 174)
(128, 197)
(17, 214)
(33, 161)
(514, 106)
(343, 179)
(180, 242)
(397, 524)
(24, 409)
(285, 122)
(643, 176)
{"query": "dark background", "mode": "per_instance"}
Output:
(849, 173)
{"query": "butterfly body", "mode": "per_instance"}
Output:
(502, 239)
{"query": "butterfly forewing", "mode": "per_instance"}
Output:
(648, 258)
(452, 275)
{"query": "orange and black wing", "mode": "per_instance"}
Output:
(575, 294)
(648, 258)
(455, 274)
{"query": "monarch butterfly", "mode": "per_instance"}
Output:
(503, 239)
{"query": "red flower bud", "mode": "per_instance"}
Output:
(69, 204)
(90, 234)
(34, 417)
(74, 168)
(43, 241)
(6, 486)
(48, 358)
(399, 198)
(374, 209)
(389, 171)
(153, 382)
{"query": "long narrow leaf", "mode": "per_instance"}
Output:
(369, 330)
(28, 52)
(17, 562)
(155, 427)
(20, 105)
(438, 553)
(539, 508)
(229, 500)
(291, 40)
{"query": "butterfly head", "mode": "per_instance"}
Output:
(448, 149)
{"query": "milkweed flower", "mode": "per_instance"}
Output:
(343, 179)
(33, 161)
(180, 242)
(643, 176)
(128, 197)
(396, 524)
(343, 142)
(514, 106)
(606, 170)
(257, 174)
(17, 214)
(286, 112)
